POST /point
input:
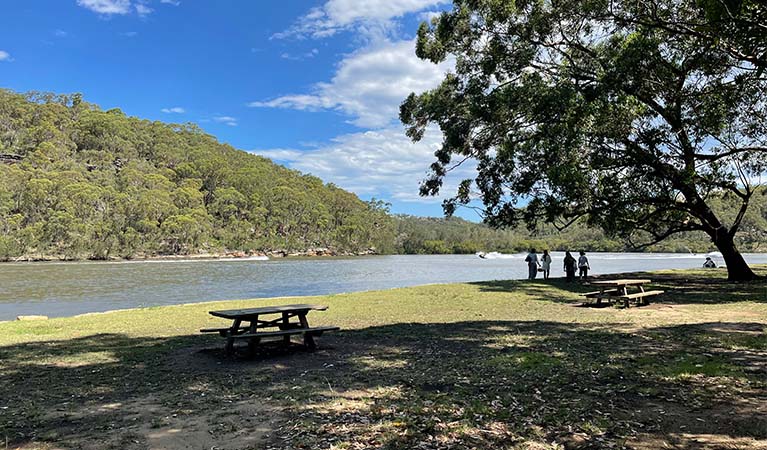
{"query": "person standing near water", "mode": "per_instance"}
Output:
(570, 265)
(546, 264)
(583, 265)
(532, 264)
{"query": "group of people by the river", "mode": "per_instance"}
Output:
(542, 264)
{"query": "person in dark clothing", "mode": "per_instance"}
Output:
(583, 266)
(570, 266)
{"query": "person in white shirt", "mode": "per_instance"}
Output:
(583, 266)
(546, 264)
(532, 264)
(709, 264)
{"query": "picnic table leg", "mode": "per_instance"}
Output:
(308, 338)
(643, 300)
(599, 297)
(230, 336)
(624, 290)
(253, 342)
(285, 326)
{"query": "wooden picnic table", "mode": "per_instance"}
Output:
(249, 324)
(619, 290)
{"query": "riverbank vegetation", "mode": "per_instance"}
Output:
(490, 365)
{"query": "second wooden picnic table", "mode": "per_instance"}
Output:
(619, 290)
(249, 324)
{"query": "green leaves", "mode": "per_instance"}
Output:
(609, 110)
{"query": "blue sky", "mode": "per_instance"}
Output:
(313, 85)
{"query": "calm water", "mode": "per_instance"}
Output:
(65, 289)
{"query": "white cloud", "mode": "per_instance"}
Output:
(129, 34)
(60, 33)
(369, 85)
(143, 9)
(226, 120)
(302, 56)
(122, 7)
(428, 16)
(382, 163)
(5, 56)
(280, 154)
(107, 7)
(175, 109)
(364, 16)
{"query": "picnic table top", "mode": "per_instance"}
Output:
(250, 312)
(621, 282)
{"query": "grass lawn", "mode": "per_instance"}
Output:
(493, 365)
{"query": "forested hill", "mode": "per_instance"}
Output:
(79, 182)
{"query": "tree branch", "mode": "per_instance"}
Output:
(717, 156)
(658, 237)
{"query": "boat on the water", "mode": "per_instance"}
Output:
(494, 255)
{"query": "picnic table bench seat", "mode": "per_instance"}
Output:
(223, 331)
(639, 296)
(316, 331)
(596, 293)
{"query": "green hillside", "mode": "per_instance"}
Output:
(79, 182)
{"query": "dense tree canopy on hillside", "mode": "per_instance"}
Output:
(635, 115)
(79, 182)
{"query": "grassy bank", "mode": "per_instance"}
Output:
(509, 364)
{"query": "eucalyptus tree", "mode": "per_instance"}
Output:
(632, 114)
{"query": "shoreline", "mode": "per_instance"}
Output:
(233, 255)
(280, 254)
(556, 281)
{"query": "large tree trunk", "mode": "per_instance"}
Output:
(737, 269)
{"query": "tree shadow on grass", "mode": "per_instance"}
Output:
(702, 288)
(476, 384)
(555, 290)
(684, 287)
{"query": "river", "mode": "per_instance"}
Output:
(59, 289)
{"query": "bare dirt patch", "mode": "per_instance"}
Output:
(149, 422)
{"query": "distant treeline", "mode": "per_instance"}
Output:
(417, 235)
(78, 182)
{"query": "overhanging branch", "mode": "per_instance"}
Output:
(658, 237)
